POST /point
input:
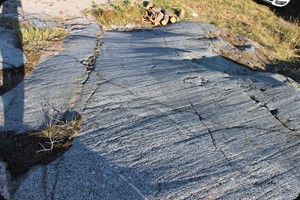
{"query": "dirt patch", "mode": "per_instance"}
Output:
(23, 151)
(13, 76)
(249, 54)
(242, 51)
(33, 57)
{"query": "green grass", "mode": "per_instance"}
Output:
(59, 129)
(35, 39)
(117, 13)
(31, 38)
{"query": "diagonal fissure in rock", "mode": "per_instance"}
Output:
(273, 112)
(93, 93)
(210, 134)
(89, 63)
(90, 60)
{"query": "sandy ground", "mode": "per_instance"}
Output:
(53, 8)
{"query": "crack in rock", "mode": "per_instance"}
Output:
(92, 94)
(52, 194)
(90, 60)
(273, 112)
(210, 134)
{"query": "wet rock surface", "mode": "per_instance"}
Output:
(164, 117)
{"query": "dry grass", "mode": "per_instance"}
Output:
(31, 38)
(39, 41)
(280, 40)
(117, 13)
(23, 151)
(35, 39)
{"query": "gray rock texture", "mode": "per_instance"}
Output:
(4, 181)
(166, 118)
(53, 87)
(11, 56)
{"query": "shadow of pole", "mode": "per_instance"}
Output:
(12, 65)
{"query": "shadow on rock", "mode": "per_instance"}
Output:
(12, 61)
(288, 69)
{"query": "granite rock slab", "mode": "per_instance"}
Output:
(52, 88)
(164, 117)
(11, 56)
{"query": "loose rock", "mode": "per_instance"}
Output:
(157, 16)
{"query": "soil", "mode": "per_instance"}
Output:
(13, 76)
(23, 151)
(236, 51)
(34, 57)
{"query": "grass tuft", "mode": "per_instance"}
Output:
(24, 151)
(35, 39)
(117, 13)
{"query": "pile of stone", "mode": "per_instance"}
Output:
(158, 16)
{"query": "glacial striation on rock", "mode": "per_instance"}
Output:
(11, 56)
(164, 117)
(54, 86)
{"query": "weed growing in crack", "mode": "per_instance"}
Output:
(23, 151)
(60, 126)
(59, 132)
(33, 38)
(36, 42)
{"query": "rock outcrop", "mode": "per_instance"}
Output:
(54, 86)
(164, 117)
